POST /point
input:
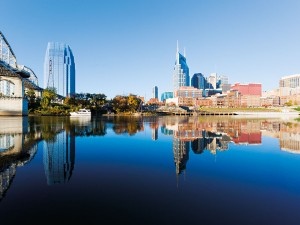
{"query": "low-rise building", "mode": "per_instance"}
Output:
(188, 92)
(166, 95)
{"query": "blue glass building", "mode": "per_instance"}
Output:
(181, 75)
(199, 81)
(155, 92)
(166, 95)
(59, 69)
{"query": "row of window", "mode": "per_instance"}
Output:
(7, 88)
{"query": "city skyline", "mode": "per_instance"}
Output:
(246, 41)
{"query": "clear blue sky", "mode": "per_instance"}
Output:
(128, 46)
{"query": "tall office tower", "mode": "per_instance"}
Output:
(212, 79)
(198, 81)
(181, 75)
(59, 69)
(155, 92)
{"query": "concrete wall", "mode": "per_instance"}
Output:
(16, 105)
(13, 106)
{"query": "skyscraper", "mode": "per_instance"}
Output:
(181, 75)
(212, 79)
(155, 92)
(198, 81)
(59, 69)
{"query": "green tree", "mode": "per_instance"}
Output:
(48, 96)
(289, 103)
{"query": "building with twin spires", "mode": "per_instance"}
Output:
(181, 75)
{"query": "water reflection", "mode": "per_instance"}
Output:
(59, 157)
(215, 134)
(124, 125)
(17, 147)
(19, 138)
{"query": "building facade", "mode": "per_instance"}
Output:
(289, 85)
(186, 92)
(59, 69)
(248, 89)
(198, 81)
(181, 75)
(166, 95)
(212, 79)
(155, 92)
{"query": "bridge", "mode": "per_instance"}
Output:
(14, 79)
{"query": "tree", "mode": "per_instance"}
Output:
(98, 99)
(133, 103)
(289, 103)
(119, 103)
(125, 103)
(70, 101)
(48, 96)
(30, 94)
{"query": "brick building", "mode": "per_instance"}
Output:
(248, 89)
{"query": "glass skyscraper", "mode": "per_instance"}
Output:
(181, 75)
(59, 69)
(199, 81)
(155, 92)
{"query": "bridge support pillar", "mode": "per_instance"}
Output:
(15, 105)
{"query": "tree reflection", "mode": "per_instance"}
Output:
(127, 125)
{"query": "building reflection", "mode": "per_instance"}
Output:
(59, 158)
(288, 134)
(213, 135)
(18, 145)
(19, 138)
(154, 125)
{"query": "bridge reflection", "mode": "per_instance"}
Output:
(17, 147)
(20, 136)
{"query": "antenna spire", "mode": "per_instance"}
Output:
(177, 53)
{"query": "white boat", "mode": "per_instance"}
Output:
(81, 112)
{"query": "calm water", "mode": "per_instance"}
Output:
(161, 170)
